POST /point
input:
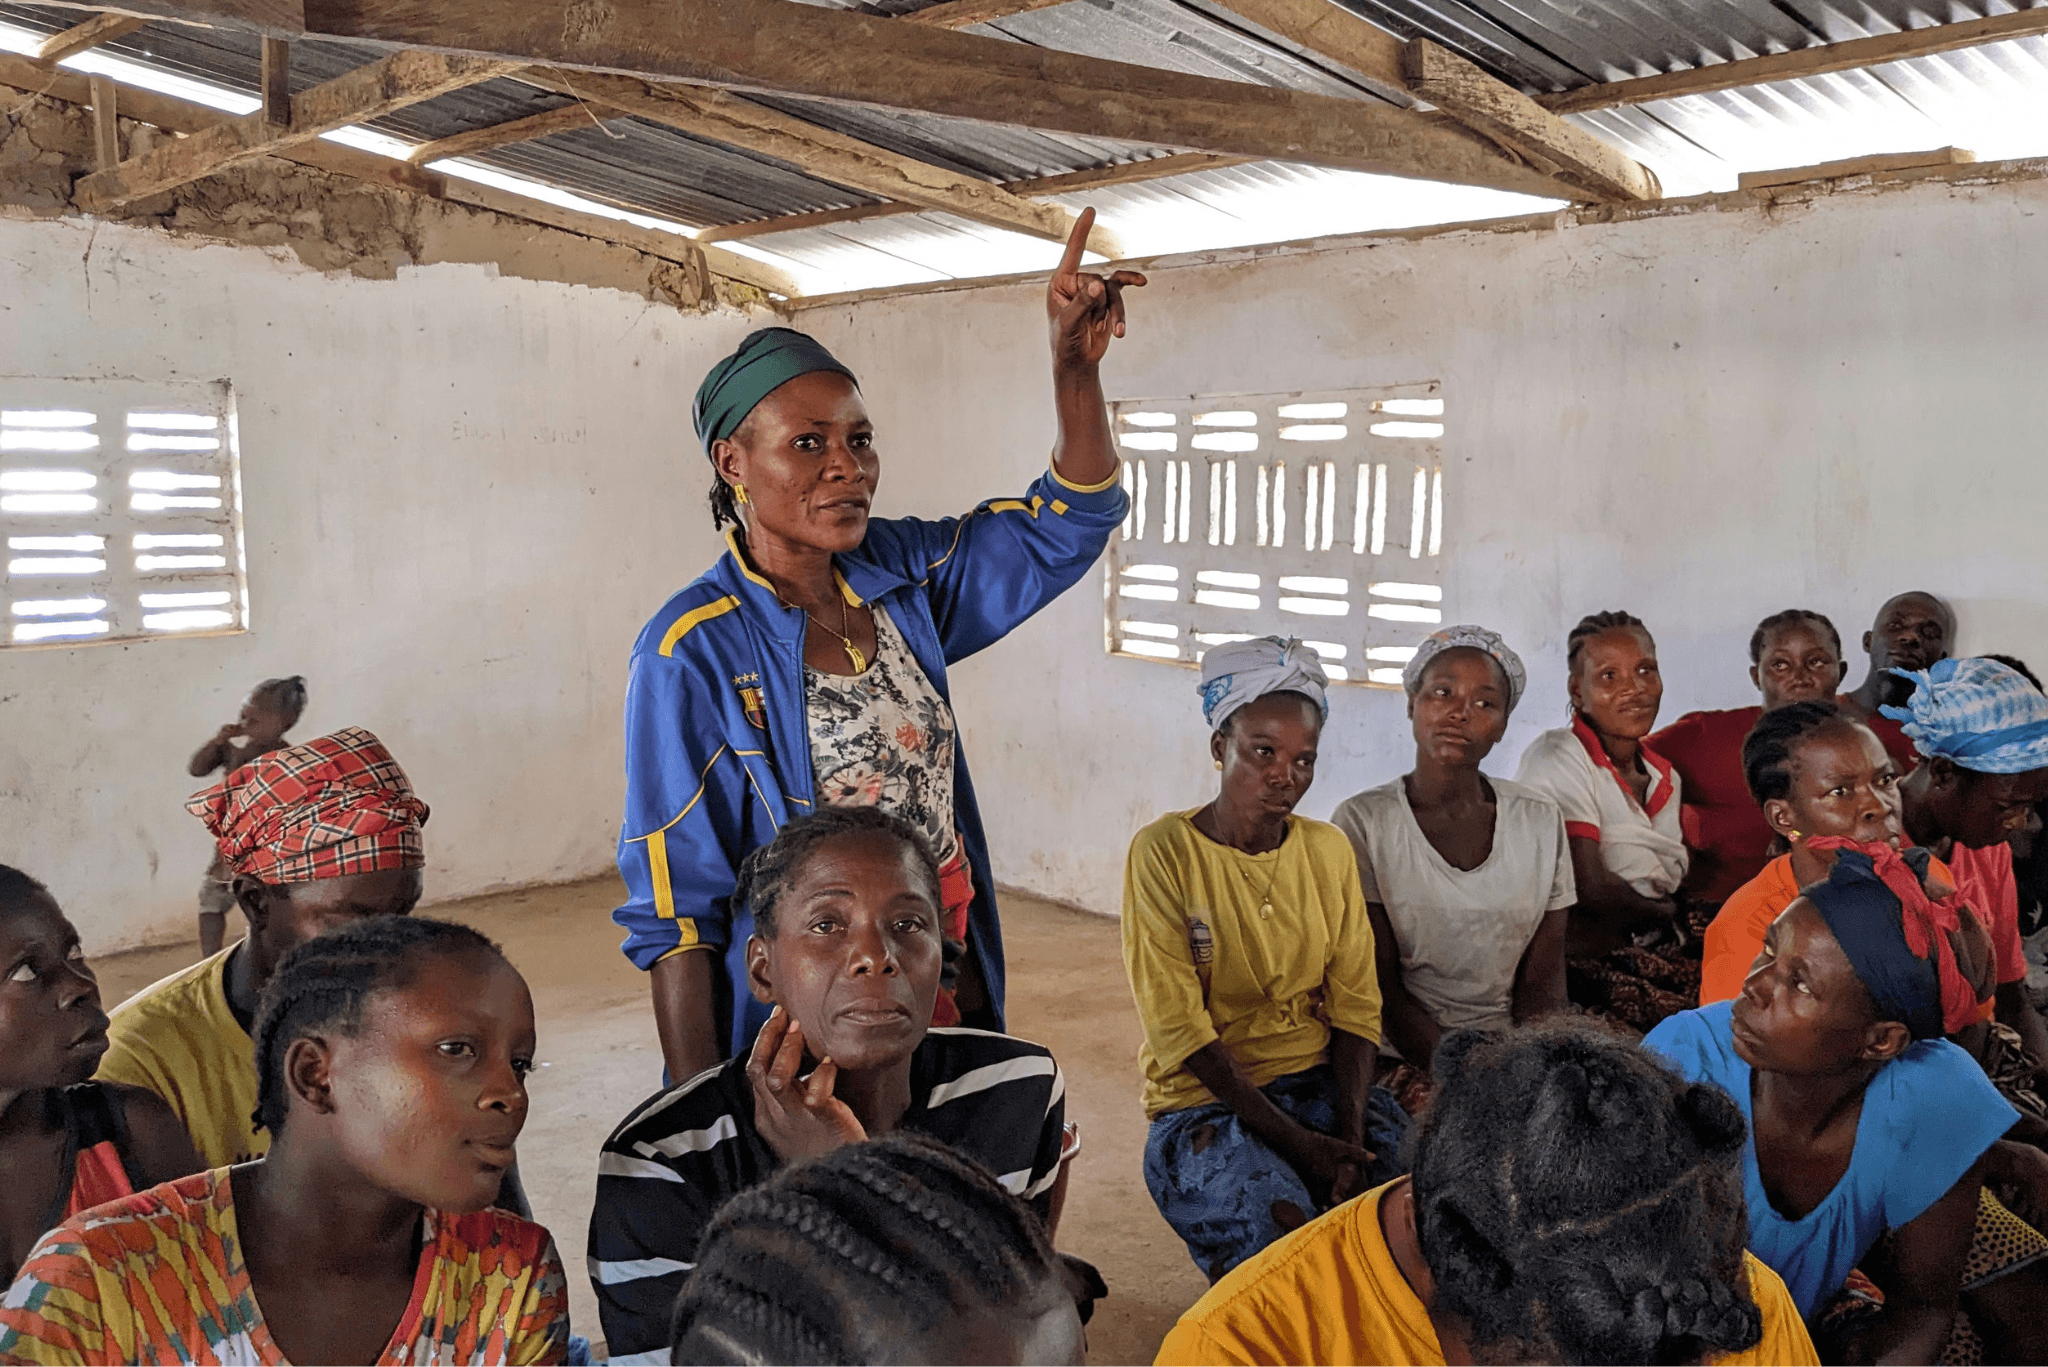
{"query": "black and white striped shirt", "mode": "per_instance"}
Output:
(683, 1153)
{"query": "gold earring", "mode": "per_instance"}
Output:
(1796, 837)
(739, 492)
(1219, 766)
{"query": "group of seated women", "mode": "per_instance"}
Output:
(1885, 1095)
(303, 1148)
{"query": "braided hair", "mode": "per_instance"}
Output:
(1592, 625)
(1767, 749)
(321, 987)
(769, 870)
(1791, 617)
(1576, 1201)
(724, 508)
(18, 889)
(288, 696)
(835, 1259)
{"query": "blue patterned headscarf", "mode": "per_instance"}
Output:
(1245, 671)
(765, 361)
(1467, 637)
(1978, 713)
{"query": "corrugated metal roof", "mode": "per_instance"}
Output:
(1991, 99)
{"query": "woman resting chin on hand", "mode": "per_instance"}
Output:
(846, 952)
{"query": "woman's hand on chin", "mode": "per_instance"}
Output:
(1085, 309)
(799, 1117)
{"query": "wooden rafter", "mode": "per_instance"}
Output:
(1479, 100)
(566, 119)
(962, 13)
(184, 116)
(790, 223)
(393, 82)
(101, 28)
(1066, 183)
(861, 59)
(1472, 97)
(1123, 173)
(1849, 55)
(821, 152)
(277, 82)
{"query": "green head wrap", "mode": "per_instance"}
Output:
(765, 361)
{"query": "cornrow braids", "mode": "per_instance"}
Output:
(1767, 749)
(1592, 625)
(768, 870)
(287, 695)
(1578, 1202)
(18, 889)
(858, 1248)
(1790, 617)
(321, 987)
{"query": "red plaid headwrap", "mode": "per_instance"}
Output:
(333, 806)
(1925, 924)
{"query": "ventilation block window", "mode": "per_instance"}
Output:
(120, 503)
(1317, 515)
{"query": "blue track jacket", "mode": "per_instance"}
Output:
(717, 754)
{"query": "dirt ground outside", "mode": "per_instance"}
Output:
(598, 1058)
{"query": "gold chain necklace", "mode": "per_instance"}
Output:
(1266, 897)
(845, 636)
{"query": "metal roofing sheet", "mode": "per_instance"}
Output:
(1991, 99)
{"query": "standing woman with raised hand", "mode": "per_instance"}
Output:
(807, 668)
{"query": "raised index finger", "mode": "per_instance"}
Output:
(1077, 242)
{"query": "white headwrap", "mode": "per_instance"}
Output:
(1467, 637)
(1245, 671)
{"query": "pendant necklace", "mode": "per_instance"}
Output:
(845, 637)
(1266, 897)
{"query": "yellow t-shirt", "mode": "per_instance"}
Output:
(178, 1039)
(1206, 963)
(1330, 1292)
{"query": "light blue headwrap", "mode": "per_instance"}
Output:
(1245, 671)
(1467, 637)
(1978, 713)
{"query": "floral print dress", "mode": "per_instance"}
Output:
(886, 738)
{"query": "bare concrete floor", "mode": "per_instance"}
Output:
(598, 1058)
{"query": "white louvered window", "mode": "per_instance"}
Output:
(120, 502)
(1317, 515)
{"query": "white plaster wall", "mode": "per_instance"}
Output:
(463, 496)
(1702, 419)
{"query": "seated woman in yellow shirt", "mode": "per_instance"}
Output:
(1572, 1200)
(1251, 958)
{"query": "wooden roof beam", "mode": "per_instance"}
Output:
(468, 143)
(1475, 98)
(101, 28)
(1851, 55)
(860, 59)
(964, 13)
(184, 116)
(1066, 183)
(403, 78)
(822, 152)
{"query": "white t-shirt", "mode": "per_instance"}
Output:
(1641, 843)
(1462, 933)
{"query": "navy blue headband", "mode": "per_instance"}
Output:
(1867, 921)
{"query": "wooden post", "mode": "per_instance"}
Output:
(106, 133)
(277, 82)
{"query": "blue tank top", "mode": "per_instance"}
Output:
(1927, 1117)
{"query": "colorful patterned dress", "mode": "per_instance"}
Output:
(158, 1277)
